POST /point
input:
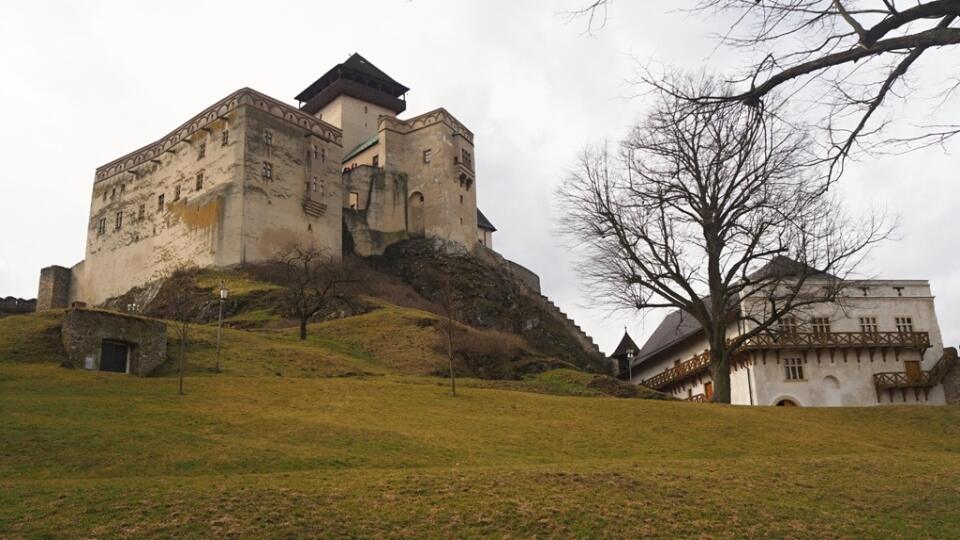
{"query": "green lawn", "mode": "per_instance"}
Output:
(89, 454)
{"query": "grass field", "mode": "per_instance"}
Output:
(252, 454)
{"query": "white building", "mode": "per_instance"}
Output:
(880, 344)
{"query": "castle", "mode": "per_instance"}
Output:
(251, 175)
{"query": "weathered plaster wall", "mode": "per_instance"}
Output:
(356, 118)
(276, 213)
(380, 218)
(83, 332)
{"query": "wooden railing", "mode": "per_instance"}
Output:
(797, 340)
(697, 398)
(683, 370)
(811, 340)
(890, 380)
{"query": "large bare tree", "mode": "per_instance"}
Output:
(846, 59)
(708, 210)
(310, 277)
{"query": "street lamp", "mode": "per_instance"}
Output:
(223, 296)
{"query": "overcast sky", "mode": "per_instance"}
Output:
(82, 83)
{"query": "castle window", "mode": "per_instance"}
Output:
(868, 325)
(787, 325)
(323, 154)
(316, 152)
(427, 156)
(467, 159)
(102, 226)
(899, 290)
(461, 220)
(904, 324)
(267, 172)
(199, 181)
(314, 184)
(820, 325)
(365, 109)
(140, 211)
(461, 199)
(376, 160)
(123, 188)
(176, 193)
(104, 196)
(119, 221)
(354, 200)
(160, 203)
(865, 290)
(268, 138)
(202, 150)
(793, 368)
(225, 137)
(113, 193)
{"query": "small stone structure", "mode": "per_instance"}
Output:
(951, 381)
(54, 289)
(107, 341)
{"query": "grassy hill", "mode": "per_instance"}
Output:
(391, 454)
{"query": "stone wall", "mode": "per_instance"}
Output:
(84, 331)
(379, 218)
(54, 289)
(16, 306)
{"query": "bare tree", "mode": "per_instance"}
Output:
(179, 309)
(852, 57)
(448, 302)
(310, 277)
(707, 210)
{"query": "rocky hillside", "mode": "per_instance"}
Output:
(505, 331)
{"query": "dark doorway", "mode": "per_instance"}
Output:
(113, 357)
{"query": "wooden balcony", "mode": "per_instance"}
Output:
(922, 381)
(802, 341)
(837, 340)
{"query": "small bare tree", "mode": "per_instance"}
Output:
(448, 302)
(700, 212)
(179, 310)
(311, 277)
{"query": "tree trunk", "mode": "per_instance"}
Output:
(720, 367)
(453, 377)
(183, 354)
(303, 328)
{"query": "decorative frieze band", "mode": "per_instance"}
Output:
(218, 111)
(425, 120)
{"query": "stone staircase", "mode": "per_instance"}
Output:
(585, 341)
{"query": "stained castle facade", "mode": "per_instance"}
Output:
(251, 175)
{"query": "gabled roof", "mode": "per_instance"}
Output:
(679, 326)
(355, 68)
(626, 344)
(483, 222)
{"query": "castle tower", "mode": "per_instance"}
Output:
(352, 96)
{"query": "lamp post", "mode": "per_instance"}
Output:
(223, 296)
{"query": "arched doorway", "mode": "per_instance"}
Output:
(786, 403)
(415, 225)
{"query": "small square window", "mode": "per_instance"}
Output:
(793, 368)
(267, 170)
(201, 150)
(427, 156)
(904, 324)
(820, 325)
(787, 325)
